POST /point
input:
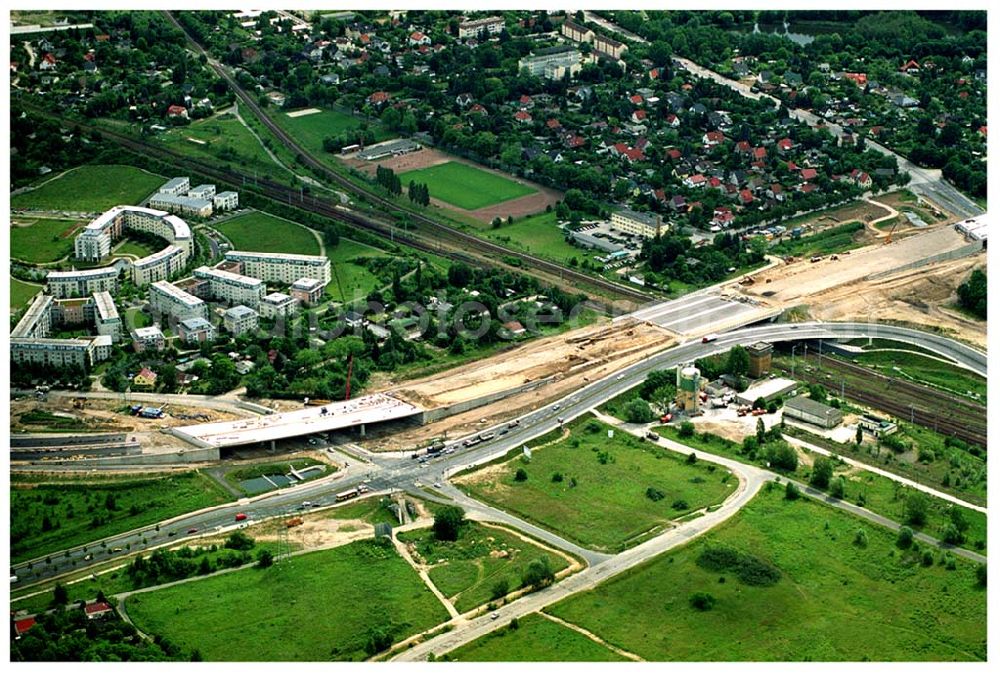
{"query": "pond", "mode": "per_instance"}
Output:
(783, 30)
(261, 484)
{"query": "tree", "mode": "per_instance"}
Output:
(702, 601)
(686, 429)
(738, 361)
(448, 521)
(239, 541)
(861, 538)
(981, 575)
(839, 488)
(265, 559)
(761, 431)
(500, 589)
(904, 540)
(791, 491)
(916, 509)
(859, 435)
(539, 574)
(781, 455)
(639, 411)
(521, 475)
(60, 597)
(821, 474)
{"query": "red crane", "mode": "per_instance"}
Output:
(350, 368)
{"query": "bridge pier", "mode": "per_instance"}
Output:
(362, 429)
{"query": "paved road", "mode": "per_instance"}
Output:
(399, 472)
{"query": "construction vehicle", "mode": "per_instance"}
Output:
(746, 281)
(888, 238)
(294, 522)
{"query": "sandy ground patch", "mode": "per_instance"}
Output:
(303, 112)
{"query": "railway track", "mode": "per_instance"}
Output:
(442, 237)
(949, 415)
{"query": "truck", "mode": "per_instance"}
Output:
(708, 338)
(472, 441)
(437, 446)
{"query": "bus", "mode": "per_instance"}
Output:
(344, 495)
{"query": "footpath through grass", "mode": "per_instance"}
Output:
(466, 186)
(49, 515)
(603, 493)
(262, 232)
(90, 188)
(315, 607)
(837, 598)
(469, 570)
(535, 639)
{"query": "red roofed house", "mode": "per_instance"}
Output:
(522, 116)
(378, 97)
(910, 66)
(22, 625)
(103, 37)
(96, 610)
(695, 181)
(713, 138)
(807, 187)
(177, 112)
(514, 327)
(552, 123)
(575, 141)
(525, 101)
(776, 192)
(742, 146)
(146, 377)
(673, 120)
(863, 180)
(673, 154)
(638, 116)
(808, 174)
(860, 79)
(636, 99)
(759, 153)
(478, 109)
(746, 197)
(982, 130)
(418, 38)
(634, 155)
(48, 63)
(785, 145)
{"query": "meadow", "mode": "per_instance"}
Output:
(42, 240)
(466, 186)
(535, 639)
(262, 232)
(90, 188)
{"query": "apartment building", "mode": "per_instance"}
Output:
(285, 268)
(36, 321)
(148, 338)
(226, 200)
(240, 320)
(78, 283)
(232, 288)
(162, 265)
(307, 291)
(473, 28)
(277, 305)
(174, 302)
(106, 318)
(546, 62)
(195, 330)
(637, 223)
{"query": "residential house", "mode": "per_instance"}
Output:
(145, 377)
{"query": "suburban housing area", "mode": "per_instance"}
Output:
(498, 335)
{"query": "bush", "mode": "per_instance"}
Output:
(916, 509)
(927, 558)
(539, 574)
(239, 541)
(691, 459)
(905, 538)
(821, 473)
(981, 575)
(639, 411)
(521, 475)
(791, 491)
(781, 455)
(702, 601)
(557, 477)
(680, 504)
(514, 623)
(861, 538)
(500, 589)
(839, 488)
(952, 535)
(379, 640)
(654, 494)
(265, 559)
(686, 429)
(448, 521)
(749, 569)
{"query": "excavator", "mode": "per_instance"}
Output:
(888, 238)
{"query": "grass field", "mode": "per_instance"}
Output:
(469, 570)
(602, 505)
(226, 139)
(835, 600)
(315, 607)
(21, 293)
(135, 318)
(262, 232)
(466, 186)
(830, 241)
(536, 639)
(537, 235)
(43, 240)
(138, 249)
(90, 188)
(925, 370)
(79, 512)
(351, 281)
(310, 130)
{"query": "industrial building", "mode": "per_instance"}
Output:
(277, 305)
(389, 149)
(240, 320)
(689, 386)
(307, 291)
(285, 268)
(232, 288)
(767, 390)
(77, 283)
(760, 358)
(195, 330)
(161, 265)
(810, 411)
(174, 302)
(974, 228)
(148, 338)
(637, 223)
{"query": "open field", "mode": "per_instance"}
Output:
(834, 601)
(466, 570)
(601, 498)
(536, 639)
(351, 280)
(263, 232)
(829, 241)
(90, 188)
(465, 186)
(42, 240)
(927, 370)
(538, 235)
(310, 130)
(314, 607)
(222, 137)
(135, 318)
(21, 293)
(61, 513)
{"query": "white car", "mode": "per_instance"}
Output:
(495, 615)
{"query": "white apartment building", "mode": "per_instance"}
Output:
(181, 204)
(226, 200)
(173, 301)
(77, 352)
(195, 330)
(176, 186)
(550, 59)
(277, 305)
(240, 320)
(77, 283)
(159, 266)
(232, 288)
(472, 28)
(307, 291)
(37, 321)
(285, 268)
(96, 240)
(205, 191)
(148, 338)
(106, 317)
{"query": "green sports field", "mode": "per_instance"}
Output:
(465, 186)
(834, 600)
(262, 232)
(42, 240)
(319, 606)
(310, 130)
(90, 188)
